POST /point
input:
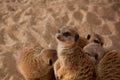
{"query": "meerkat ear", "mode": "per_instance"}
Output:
(50, 62)
(102, 43)
(76, 37)
(88, 36)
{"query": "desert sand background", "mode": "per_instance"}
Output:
(26, 22)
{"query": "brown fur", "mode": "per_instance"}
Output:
(82, 42)
(109, 66)
(72, 63)
(37, 64)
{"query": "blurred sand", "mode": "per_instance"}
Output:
(26, 22)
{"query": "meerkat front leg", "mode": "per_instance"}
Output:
(56, 68)
(59, 72)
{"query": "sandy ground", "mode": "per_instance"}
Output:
(26, 22)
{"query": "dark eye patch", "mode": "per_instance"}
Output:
(50, 62)
(66, 34)
(76, 37)
(96, 41)
(88, 36)
(96, 57)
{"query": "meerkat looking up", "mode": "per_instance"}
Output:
(94, 48)
(36, 63)
(72, 63)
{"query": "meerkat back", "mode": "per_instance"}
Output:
(37, 64)
(109, 66)
(26, 62)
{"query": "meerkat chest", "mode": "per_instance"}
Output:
(60, 57)
(62, 54)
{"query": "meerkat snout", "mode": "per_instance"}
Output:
(65, 34)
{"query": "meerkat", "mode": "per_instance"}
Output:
(95, 48)
(72, 63)
(109, 66)
(36, 63)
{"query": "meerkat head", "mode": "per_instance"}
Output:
(49, 56)
(96, 38)
(67, 36)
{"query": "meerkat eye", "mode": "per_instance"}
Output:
(96, 57)
(88, 36)
(96, 41)
(50, 62)
(66, 34)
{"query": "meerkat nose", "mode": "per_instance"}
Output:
(58, 36)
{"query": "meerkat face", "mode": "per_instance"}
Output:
(95, 38)
(67, 36)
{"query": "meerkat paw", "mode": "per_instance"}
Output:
(56, 66)
(59, 75)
